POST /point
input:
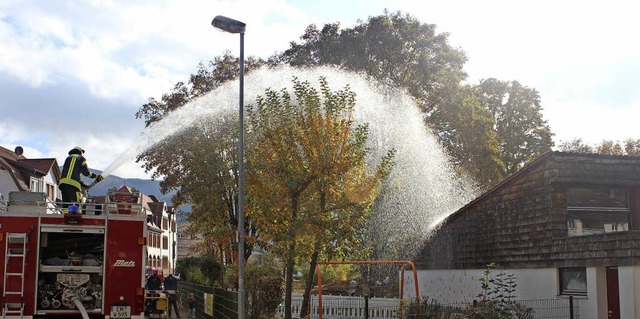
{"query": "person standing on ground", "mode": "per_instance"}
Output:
(70, 184)
(171, 284)
(191, 302)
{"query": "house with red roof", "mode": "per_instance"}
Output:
(18, 173)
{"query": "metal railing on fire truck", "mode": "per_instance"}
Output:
(114, 203)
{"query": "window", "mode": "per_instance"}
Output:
(51, 191)
(597, 210)
(573, 281)
(165, 242)
(36, 185)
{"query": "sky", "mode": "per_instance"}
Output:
(76, 72)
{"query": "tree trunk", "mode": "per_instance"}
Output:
(289, 281)
(304, 310)
(291, 262)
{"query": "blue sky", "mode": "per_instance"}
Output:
(75, 72)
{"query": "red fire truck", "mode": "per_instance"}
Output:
(85, 265)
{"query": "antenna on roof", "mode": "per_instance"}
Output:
(19, 150)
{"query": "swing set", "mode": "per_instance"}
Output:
(370, 262)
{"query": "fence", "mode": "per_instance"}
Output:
(343, 307)
(210, 302)
(223, 304)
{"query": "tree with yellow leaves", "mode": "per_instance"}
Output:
(310, 188)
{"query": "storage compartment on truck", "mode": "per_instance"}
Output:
(71, 266)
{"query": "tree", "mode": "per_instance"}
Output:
(220, 70)
(467, 133)
(200, 161)
(309, 185)
(632, 146)
(398, 50)
(629, 147)
(609, 147)
(576, 145)
(393, 48)
(521, 131)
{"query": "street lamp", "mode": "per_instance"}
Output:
(234, 26)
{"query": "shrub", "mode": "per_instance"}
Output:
(264, 291)
(496, 300)
(199, 270)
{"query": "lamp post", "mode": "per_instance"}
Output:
(233, 26)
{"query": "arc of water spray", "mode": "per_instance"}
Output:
(422, 188)
(178, 120)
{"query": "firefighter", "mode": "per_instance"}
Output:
(154, 282)
(70, 184)
(171, 284)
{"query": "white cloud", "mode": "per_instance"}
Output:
(101, 60)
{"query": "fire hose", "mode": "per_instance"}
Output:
(79, 305)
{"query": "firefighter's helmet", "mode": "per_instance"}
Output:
(77, 148)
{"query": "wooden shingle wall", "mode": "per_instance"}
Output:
(522, 223)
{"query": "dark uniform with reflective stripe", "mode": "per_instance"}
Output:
(70, 184)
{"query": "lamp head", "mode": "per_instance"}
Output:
(228, 25)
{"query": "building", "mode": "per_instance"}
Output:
(565, 225)
(18, 173)
(187, 241)
(163, 253)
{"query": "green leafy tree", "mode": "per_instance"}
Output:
(576, 145)
(399, 50)
(468, 134)
(393, 48)
(609, 147)
(199, 163)
(309, 185)
(208, 77)
(630, 147)
(521, 131)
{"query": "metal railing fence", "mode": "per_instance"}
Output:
(343, 307)
(224, 303)
(225, 306)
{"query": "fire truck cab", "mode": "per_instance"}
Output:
(72, 265)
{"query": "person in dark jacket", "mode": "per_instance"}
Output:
(71, 184)
(171, 284)
(154, 282)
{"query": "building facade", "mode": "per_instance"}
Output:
(565, 225)
(163, 228)
(18, 173)
(187, 242)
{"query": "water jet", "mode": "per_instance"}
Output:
(421, 190)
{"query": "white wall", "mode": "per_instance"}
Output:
(457, 286)
(629, 282)
(596, 307)
(7, 184)
(449, 286)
